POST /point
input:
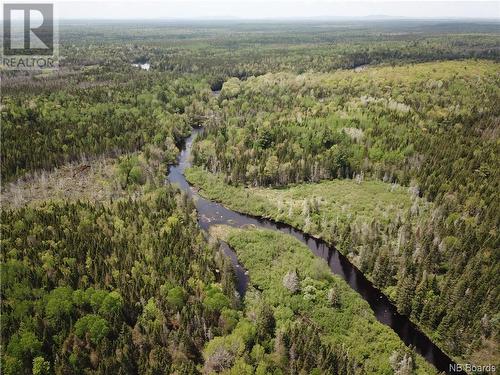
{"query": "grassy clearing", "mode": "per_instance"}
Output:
(331, 210)
(269, 256)
(96, 180)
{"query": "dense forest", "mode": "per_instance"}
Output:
(224, 49)
(88, 286)
(431, 127)
(380, 137)
(152, 113)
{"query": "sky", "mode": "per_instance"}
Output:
(271, 9)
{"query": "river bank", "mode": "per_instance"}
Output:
(212, 213)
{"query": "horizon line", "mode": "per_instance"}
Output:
(312, 18)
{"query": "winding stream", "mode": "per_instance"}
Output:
(212, 213)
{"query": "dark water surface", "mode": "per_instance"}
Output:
(212, 213)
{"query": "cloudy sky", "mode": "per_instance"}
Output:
(272, 9)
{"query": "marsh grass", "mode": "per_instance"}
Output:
(269, 255)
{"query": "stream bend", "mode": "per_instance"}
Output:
(213, 213)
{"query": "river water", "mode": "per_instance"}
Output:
(212, 213)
